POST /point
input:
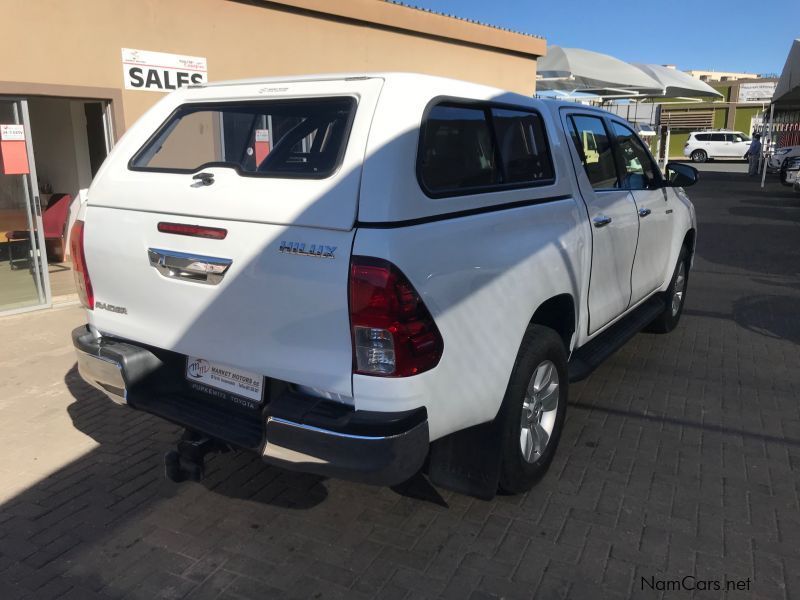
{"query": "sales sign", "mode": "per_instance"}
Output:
(13, 153)
(160, 71)
(12, 133)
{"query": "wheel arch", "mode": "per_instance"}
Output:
(690, 239)
(558, 313)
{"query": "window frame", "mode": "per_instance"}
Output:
(486, 107)
(218, 105)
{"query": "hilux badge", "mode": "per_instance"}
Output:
(317, 250)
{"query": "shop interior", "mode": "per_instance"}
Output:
(69, 144)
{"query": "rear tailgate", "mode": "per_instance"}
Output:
(280, 308)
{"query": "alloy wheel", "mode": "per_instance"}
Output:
(680, 288)
(539, 410)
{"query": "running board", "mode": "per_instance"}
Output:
(587, 358)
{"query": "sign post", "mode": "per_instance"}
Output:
(769, 137)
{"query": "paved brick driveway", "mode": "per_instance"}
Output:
(680, 457)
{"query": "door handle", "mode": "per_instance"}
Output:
(601, 221)
(204, 178)
(643, 212)
(189, 267)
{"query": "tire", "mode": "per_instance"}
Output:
(542, 354)
(699, 156)
(675, 297)
(782, 174)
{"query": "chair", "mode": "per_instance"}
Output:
(54, 223)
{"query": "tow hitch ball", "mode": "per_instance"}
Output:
(187, 462)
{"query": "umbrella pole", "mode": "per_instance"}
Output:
(769, 137)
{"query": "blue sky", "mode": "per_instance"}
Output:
(730, 35)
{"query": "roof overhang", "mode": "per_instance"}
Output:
(787, 91)
(414, 21)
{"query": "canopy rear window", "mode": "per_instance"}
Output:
(275, 138)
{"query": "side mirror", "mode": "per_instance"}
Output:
(680, 175)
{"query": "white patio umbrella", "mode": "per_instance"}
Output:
(677, 84)
(577, 70)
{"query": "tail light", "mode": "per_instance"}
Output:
(82, 281)
(394, 335)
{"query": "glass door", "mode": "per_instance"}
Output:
(23, 265)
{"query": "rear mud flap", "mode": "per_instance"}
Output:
(468, 461)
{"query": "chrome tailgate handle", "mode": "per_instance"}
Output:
(189, 267)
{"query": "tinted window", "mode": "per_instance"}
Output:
(457, 151)
(291, 138)
(594, 148)
(717, 137)
(638, 170)
(521, 144)
(702, 137)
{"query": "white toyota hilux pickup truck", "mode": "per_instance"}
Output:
(368, 276)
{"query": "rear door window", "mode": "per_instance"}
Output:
(275, 138)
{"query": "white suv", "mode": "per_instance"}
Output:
(703, 145)
(411, 275)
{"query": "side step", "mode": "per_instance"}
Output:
(587, 358)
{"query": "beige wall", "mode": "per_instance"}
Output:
(78, 43)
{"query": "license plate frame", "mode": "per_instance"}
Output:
(234, 384)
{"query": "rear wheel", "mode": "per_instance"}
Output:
(783, 173)
(699, 156)
(534, 409)
(675, 297)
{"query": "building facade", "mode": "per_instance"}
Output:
(77, 74)
(710, 76)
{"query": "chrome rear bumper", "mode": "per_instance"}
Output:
(292, 430)
(111, 366)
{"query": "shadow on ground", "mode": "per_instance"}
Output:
(240, 475)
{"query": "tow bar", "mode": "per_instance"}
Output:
(187, 462)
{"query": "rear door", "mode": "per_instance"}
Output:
(718, 146)
(221, 227)
(612, 213)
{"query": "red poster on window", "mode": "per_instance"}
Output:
(262, 145)
(13, 153)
